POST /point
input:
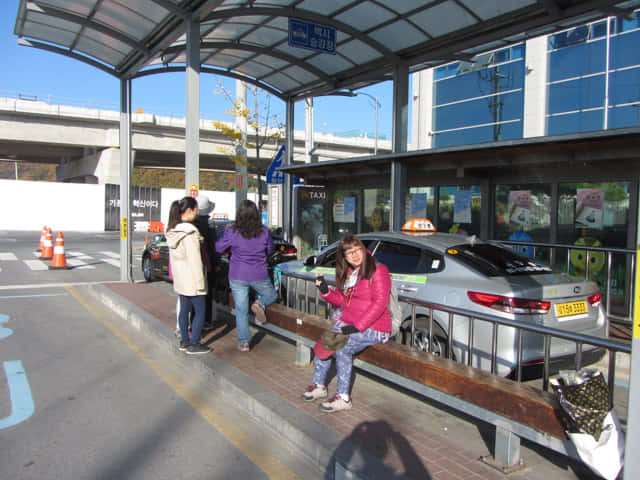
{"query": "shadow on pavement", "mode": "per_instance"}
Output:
(379, 439)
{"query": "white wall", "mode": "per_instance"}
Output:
(225, 201)
(26, 205)
(63, 207)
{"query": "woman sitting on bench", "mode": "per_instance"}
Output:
(361, 319)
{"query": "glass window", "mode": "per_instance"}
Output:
(508, 76)
(494, 108)
(493, 260)
(624, 86)
(628, 116)
(599, 211)
(490, 133)
(400, 258)
(376, 209)
(575, 122)
(574, 95)
(420, 203)
(523, 208)
(584, 59)
(344, 213)
(459, 209)
(624, 50)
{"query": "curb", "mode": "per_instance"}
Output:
(324, 448)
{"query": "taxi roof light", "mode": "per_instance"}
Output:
(418, 226)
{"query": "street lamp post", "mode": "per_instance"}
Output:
(377, 104)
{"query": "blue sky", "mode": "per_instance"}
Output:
(31, 72)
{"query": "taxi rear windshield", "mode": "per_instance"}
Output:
(495, 261)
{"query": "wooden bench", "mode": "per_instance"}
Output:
(517, 410)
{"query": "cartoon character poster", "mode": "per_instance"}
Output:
(520, 207)
(589, 203)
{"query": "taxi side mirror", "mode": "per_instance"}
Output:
(310, 261)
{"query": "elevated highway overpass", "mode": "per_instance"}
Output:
(83, 142)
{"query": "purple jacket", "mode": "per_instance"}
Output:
(248, 261)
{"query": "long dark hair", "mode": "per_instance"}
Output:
(248, 220)
(178, 207)
(367, 267)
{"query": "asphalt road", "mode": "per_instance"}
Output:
(91, 257)
(82, 395)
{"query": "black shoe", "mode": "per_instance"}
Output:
(197, 349)
(183, 346)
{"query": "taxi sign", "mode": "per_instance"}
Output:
(418, 225)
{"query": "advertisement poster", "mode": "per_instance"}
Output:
(589, 202)
(520, 207)
(344, 210)
(415, 205)
(462, 207)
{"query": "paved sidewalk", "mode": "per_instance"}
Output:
(387, 434)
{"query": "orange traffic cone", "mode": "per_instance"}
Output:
(59, 257)
(47, 248)
(43, 235)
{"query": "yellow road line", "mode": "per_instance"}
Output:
(252, 448)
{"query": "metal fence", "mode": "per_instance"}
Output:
(302, 294)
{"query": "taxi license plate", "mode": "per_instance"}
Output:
(571, 308)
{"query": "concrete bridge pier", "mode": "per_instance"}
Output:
(95, 166)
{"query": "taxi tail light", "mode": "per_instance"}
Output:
(595, 299)
(521, 306)
(289, 251)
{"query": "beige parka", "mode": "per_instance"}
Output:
(186, 260)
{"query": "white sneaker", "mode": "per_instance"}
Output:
(313, 392)
(335, 405)
(259, 314)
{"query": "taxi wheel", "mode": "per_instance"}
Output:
(439, 346)
(146, 268)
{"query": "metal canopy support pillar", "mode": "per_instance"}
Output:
(400, 140)
(192, 127)
(288, 184)
(631, 460)
(125, 180)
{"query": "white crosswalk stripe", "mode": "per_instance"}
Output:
(36, 264)
(111, 254)
(7, 256)
(79, 264)
(111, 261)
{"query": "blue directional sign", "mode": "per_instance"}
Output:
(274, 175)
(312, 36)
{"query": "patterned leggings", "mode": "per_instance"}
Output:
(344, 357)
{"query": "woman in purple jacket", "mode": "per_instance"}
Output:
(362, 296)
(250, 243)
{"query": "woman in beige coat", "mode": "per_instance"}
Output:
(189, 279)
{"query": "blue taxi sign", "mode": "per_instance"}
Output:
(312, 36)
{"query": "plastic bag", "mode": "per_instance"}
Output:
(590, 422)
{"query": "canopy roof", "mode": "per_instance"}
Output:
(250, 39)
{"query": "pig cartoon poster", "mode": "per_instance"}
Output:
(589, 202)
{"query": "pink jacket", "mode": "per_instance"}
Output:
(369, 302)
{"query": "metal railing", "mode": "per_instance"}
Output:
(630, 259)
(302, 300)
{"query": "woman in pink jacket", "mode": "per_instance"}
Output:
(362, 296)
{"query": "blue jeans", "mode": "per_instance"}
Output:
(344, 357)
(198, 303)
(240, 291)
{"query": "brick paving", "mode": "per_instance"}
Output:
(408, 434)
